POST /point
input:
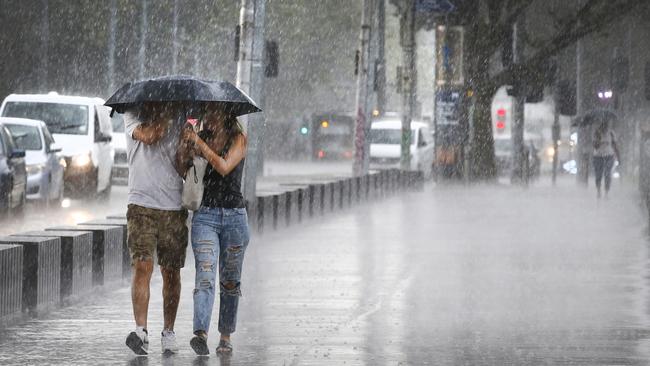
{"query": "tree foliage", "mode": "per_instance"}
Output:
(488, 26)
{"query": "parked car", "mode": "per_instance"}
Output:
(120, 164)
(44, 164)
(82, 127)
(13, 175)
(385, 146)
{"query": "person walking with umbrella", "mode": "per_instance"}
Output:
(220, 232)
(605, 151)
(155, 220)
(158, 157)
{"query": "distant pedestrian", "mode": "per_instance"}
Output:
(220, 232)
(156, 222)
(604, 154)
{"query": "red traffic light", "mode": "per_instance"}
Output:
(501, 112)
(501, 125)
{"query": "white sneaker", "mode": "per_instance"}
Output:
(168, 342)
(138, 341)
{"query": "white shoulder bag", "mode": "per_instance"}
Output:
(193, 186)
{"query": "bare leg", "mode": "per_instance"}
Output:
(142, 270)
(171, 295)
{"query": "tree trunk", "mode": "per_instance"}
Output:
(482, 165)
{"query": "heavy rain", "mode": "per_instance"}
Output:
(336, 182)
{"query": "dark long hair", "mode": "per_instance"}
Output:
(233, 127)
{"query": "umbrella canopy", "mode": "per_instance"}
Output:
(185, 89)
(595, 117)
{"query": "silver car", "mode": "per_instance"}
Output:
(44, 164)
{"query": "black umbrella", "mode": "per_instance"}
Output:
(595, 117)
(185, 89)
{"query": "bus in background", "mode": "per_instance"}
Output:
(332, 136)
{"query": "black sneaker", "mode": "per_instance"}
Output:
(138, 342)
(200, 345)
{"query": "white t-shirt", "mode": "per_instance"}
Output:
(153, 180)
(604, 143)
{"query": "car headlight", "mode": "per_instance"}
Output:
(80, 161)
(34, 169)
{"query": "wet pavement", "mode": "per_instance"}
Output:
(449, 276)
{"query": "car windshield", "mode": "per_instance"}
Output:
(118, 122)
(69, 119)
(388, 136)
(26, 137)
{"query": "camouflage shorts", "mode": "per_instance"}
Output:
(158, 232)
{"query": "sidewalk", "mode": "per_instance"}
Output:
(449, 276)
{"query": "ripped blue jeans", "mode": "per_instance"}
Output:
(219, 240)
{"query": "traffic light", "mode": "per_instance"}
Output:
(501, 120)
(304, 130)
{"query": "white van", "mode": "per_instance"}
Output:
(82, 127)
(385, 146)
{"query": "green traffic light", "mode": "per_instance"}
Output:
(304, 130)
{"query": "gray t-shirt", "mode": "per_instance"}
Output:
(153, 180)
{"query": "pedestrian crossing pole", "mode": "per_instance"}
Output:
(250, 79)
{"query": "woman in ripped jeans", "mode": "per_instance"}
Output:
(220, 232)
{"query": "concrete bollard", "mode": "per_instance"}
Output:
(279, 210)
(316, 199)
(76, 260)
(353, 191)
(304, 206)
(344, 200)
(11, 282)
(107, 251)
(335, 196)
(41, 272)
(126, 255)
(292, 213)
(264, 212)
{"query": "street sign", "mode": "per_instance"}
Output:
(447, 107)
(434, 6)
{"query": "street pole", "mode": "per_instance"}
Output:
(246, 27)
(143, 39)
(250, 79)
(518, 172)
(175, 39)
(111, 46)
(407, 31)
(381, 58)
(555, 133)
(45, 30)
(360, 166)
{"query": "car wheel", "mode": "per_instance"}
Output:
(59, 197)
